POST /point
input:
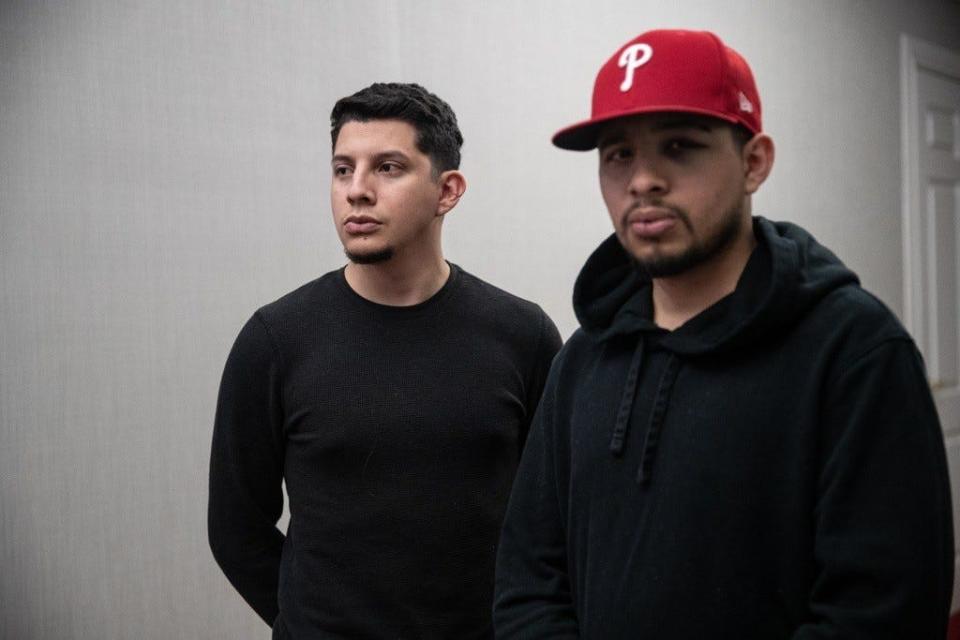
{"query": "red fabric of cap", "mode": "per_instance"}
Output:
(669, 70)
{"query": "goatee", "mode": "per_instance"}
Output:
(372, 257)
(697, 253)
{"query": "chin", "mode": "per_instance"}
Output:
(651, 251)
(369, 255)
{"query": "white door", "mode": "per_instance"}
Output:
(931, 225)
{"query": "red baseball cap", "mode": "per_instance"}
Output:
(669, 70)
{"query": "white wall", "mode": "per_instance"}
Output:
(163, 172)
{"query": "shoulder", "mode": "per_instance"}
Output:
(495, 305)
(294, 314)
(861, 314)
(578, 352)
(322, 291)
(495, 299)
(493, 314)
(853, 322)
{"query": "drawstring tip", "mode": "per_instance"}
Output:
(616, 446)
(642, 476)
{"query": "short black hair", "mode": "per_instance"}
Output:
(741, 135)
(438, 135)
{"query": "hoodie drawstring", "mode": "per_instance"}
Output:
(655, 424)
(656, 418)
(626, 402)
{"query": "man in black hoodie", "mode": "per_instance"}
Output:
(739, 441)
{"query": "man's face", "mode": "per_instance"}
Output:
(674, 185)
(383, 193)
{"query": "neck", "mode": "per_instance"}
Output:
(396, 282)
(679, 298)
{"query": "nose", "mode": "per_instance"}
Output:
(359, 191)
(647, 179)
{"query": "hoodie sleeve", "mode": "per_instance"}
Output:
(246, 462)
(884, 537)
(532, 599)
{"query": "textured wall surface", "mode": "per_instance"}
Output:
(164, 172)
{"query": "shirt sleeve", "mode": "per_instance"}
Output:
(883, 526)
(246, 470)
(532, 597)
(548, 344)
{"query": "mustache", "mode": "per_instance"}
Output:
(678, 212)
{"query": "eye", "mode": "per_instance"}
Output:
(390, 168)
(617, 154)
(341, 170)
(678, 147)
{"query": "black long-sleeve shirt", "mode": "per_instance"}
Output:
(398, 431)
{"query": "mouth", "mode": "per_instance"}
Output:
(650, 222)
(360, 225)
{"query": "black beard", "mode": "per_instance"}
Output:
(374, 257)
(697, 254)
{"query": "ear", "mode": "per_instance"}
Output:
(758, 156)
(452, 185)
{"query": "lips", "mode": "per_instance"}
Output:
(360, 225)
(650, 222)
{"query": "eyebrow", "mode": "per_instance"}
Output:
(390, 154)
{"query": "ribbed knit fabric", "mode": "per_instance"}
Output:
(397, 431)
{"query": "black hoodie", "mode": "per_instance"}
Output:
(773, 468)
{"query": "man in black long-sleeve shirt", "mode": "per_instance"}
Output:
(392, 396)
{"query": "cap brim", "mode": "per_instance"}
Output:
(582, 136)
(579, 137)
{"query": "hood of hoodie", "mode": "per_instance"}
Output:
(788, 272)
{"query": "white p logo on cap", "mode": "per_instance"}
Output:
(633, 57)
